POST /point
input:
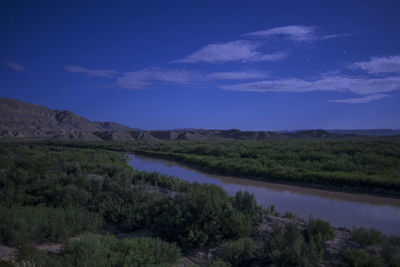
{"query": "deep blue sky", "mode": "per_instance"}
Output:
(251, 65)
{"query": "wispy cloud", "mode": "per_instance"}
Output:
(237, 75)
(296, 33)
(14, 66)
(146, 78)
(360, 100)
(151, 77)
(337, 35)
(378, 65)
(356, 85)
(247, 51)
(242, 51)
(91, 72)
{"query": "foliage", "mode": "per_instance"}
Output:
(247, 204)
(99, 251)
(359, 258)
(54, 191)
(19, 225)
(288, 247)
(318, 231)
(203, 216)
(370, 164)
(238, 252)
(294, 246)
(389, 251)
(29, 256)
(366, 237)
(289, 215)
(217, 263)
(162, 180)
(129, 209)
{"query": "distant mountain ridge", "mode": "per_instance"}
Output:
(26, 120)
(368, 132)
(19, 119)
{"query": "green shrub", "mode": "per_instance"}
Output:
(359, 258)
(100, 251)
(366, 237)
(203, 216)
(289, 215)
(389, 252)
(146, 251)
(162, 180)
(19, 225)
(29, 256)
(247, 204)
(128, 208)
(90, 251)
(287, 247)
(318, 231)
(237, 252)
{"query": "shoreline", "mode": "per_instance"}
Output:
(329, 188)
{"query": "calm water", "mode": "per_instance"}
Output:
(340, 209)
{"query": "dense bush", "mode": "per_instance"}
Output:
(359, 258)
(390, 251)
(318, 231)
(247, 204)
(128, 208)
(162, 180)
(99, 251)
(288, 246)
(20, 225)
(366, 237)
(29, 256)
(238, 253)
(203, 216)
(360, 163)
(294, 246)
(53, 192)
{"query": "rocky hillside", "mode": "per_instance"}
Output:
(19, 119)
(26, 120)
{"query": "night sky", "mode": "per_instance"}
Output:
(250, 65)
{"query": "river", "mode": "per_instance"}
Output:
(340, 209)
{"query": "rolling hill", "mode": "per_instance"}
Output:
(19, 120)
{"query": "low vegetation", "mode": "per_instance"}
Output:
(360, 164)
(238, 252)
(358, 257)
(82, 199)
(105, 251)
(366, 237)
(24, 224)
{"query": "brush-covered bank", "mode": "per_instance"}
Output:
(83, 199)
(366, 165)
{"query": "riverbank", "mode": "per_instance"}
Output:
(358, 165)
(343, 240)
(207, 169)
(51, 194)
(363, 210)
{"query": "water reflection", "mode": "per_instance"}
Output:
(340, 209)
